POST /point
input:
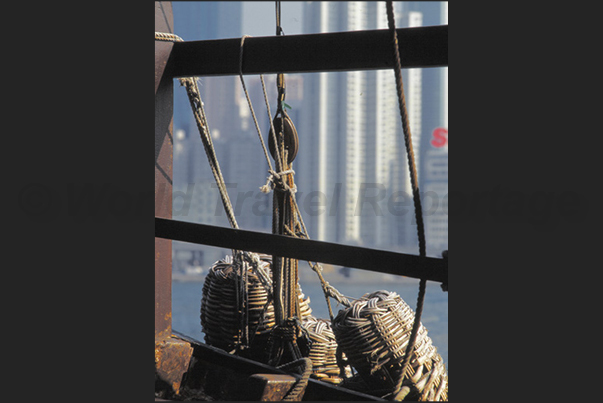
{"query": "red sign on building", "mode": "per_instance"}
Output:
(440, 137)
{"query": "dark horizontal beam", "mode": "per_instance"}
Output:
(339, 51)
(213, 359)
(305, 249)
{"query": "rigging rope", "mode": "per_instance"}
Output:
(194, 96)
(255, 120)
(243, 258)
(398, 390)
(167, 37)
(287, 215)
(279, 29)
(276, 178)
(192, 90)
(300, 386)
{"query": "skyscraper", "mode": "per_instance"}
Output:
(352, 137)
(434, 167)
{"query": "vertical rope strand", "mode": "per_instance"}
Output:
(407, 134)
(255, 120)
(415, 193)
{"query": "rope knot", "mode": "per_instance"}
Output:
(276, 181)
(258, 268)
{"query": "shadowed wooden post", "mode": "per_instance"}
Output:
(163, 170)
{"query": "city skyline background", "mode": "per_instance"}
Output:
(351, 168)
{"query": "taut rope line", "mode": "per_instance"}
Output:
(255, 121)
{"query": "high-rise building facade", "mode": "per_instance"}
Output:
(434, 167)
(351, 133)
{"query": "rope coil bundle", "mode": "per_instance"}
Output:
(374, 333)
(223, 308)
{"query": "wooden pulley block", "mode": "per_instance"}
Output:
(290, 133)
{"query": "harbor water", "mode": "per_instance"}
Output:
(186, 302)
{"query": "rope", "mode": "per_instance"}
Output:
(415, 191)
(284, 270)
(242, 258)
(194, 96)
(279, 29)
(282, 339)
(328, 289)
(406, 127)
(167, 37)
(255, 120)
(295, 393)
(263, 275)
(277, 180)
(278, 162)
(374, 333)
